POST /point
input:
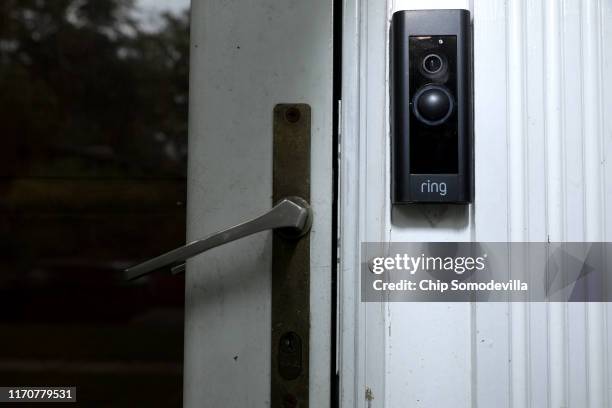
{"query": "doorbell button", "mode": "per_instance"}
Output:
(433, 104)
(432, 63)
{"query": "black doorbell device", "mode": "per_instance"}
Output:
(431, 93)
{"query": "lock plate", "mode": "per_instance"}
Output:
(291, 262)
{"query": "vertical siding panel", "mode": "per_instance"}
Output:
(491, 345)
(554, 188)
(606, 51)
(516, 120)
(553, 129)
(515, 135)
(592, 120)
(571, 120)
(574, 191)
(536, 187)
(536, 145)
(593, 197)
(605, 20)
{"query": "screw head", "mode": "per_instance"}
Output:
(292, 115)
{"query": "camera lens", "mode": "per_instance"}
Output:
(432, 63)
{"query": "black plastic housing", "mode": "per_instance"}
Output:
(432, 160)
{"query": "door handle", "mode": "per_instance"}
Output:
(292, 214)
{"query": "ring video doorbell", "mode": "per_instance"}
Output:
(432, 152)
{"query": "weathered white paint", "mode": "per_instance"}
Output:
(245, 58)
(362, 203)
(543, 137)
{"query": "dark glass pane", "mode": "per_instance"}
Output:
(93, 118)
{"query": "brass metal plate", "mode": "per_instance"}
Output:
(291, 262)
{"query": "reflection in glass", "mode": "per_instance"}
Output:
(93, 109)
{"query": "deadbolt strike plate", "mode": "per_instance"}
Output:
(291, 262)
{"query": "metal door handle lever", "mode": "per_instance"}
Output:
(291, 213)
